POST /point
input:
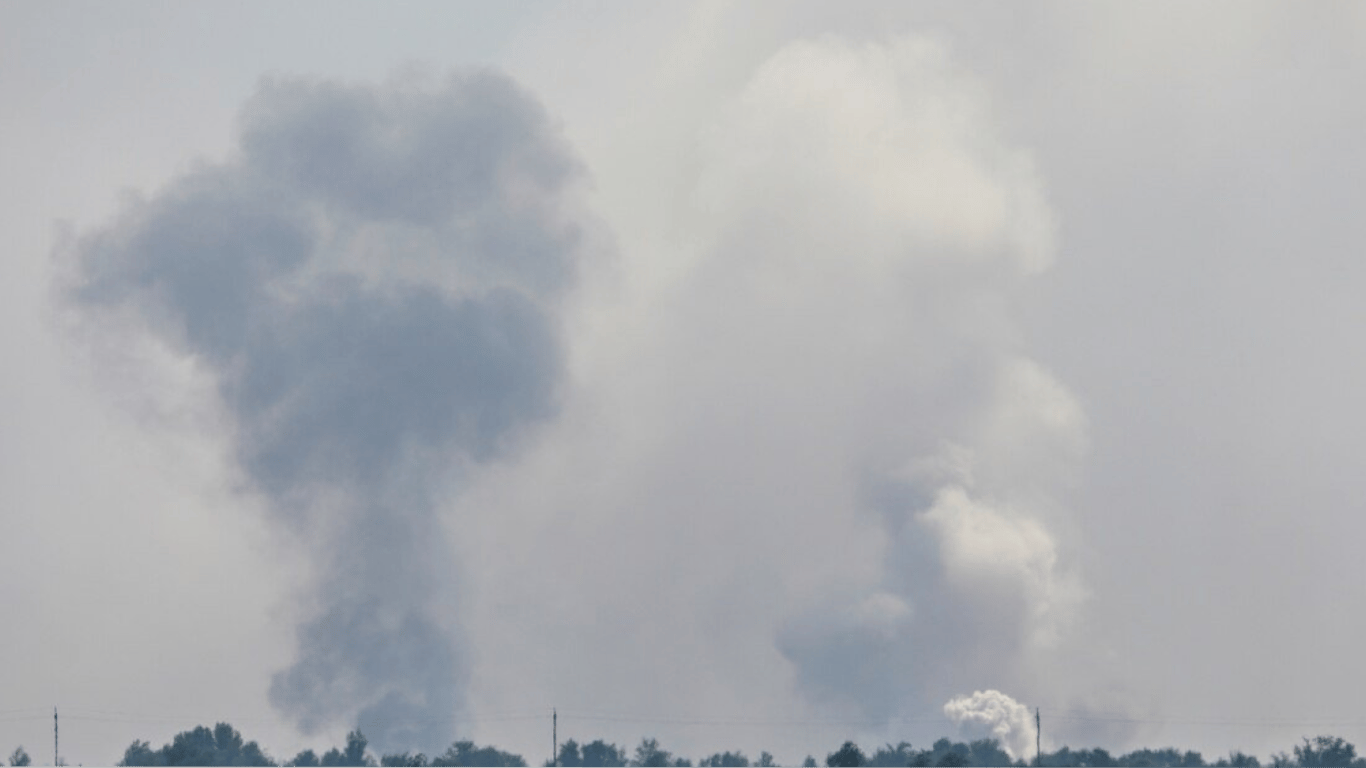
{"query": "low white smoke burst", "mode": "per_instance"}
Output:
(993, 714)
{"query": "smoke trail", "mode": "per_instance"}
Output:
(371, 284)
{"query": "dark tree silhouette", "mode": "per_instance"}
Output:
(987, 752)
(221, 746)
(735, 759)
(19, 757)
(900, 755)
(847, 756)
(353, 755)
(649, 755)
(1325, 752)
(594, 754)
(466, 753)
(952, 760)
(569, 756)
(1238, 759)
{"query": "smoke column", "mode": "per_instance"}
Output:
(371, 285)
(810, 469)
(862, 196)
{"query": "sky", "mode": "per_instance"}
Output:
(747, 375)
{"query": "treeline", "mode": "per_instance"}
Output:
(224, 745)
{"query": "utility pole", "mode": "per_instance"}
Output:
(55, 761)
(1038, 729)
(554, 738)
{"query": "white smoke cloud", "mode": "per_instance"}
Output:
(892, 141)
(865, 194)
(997, 555)
(993, 714)
(812, 460)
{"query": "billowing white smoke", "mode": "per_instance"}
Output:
(992, 714)
(807, 453)
(864, 193)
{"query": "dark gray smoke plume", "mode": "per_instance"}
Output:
(371, 285)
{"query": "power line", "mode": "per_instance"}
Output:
(13, 716)
(86, 714)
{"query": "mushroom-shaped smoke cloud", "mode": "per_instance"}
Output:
(371, 286)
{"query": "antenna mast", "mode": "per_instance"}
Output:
(55, 761)
(1038, 756)
(554, 737)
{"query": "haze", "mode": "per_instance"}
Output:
(746, 375)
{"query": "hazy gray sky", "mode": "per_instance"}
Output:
(748, 375)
